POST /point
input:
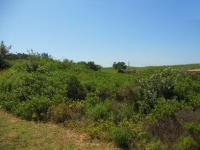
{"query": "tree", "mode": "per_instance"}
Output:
(93, 66)
(75, 89)
(4, 50)
(120, 66)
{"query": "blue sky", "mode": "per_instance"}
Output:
(144, 32)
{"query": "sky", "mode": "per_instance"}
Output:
(143, 32)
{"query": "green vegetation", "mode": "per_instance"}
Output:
(121, 136)
(193, 126)
(134, 109)
(187, 143)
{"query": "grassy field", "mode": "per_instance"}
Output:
(17, 134)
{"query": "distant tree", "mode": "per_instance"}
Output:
(4, 51)
(12, 56)
(120, 66)
(83, 63)
(93, 66)
(45, 55)
(90, 65)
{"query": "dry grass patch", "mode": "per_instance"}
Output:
(20, 134)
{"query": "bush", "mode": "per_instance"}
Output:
(159, 85)
(121, 136)
(99, 111)
(75, 89)
(194, 101)
(32, 66)
(165, 109)
(3, 63)
(187, 143)
(66, 111)
(36, 108)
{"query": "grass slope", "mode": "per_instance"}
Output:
(17, 134)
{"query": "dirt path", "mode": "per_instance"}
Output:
(194, 70)
(27, 135)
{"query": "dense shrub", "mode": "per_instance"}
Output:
(194, 101)
(187, 143)
(3, 63)
(99, 111)
(32, 66)
(165, 109)
(159, 85)
(121, 136)
(75, 89)
(34, 109)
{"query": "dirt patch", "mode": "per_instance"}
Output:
(184, 116)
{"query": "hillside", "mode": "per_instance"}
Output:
(141, 108)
